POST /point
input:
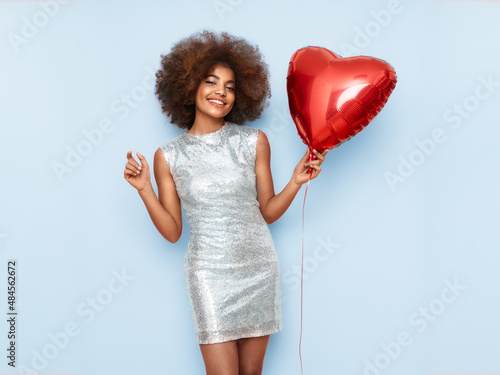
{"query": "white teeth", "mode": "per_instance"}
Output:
(216, 101)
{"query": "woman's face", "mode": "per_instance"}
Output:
(216, 93)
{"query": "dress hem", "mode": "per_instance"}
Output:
(236, 336)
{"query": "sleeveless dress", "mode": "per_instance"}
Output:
(231, 269)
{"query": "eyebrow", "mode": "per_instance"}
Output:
(217, 77)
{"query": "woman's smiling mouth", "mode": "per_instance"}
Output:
(217, 102)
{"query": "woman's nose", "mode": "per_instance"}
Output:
(221, 90)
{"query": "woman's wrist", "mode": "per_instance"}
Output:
(295, 184)
(148, 188)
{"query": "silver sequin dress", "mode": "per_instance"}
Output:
(231, 268)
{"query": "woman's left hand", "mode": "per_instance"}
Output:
(300, 175)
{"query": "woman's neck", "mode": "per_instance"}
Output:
(206, 125)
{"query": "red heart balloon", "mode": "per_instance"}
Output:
(332, 98)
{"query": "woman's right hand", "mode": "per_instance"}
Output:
(137, 175)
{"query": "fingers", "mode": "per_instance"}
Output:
(132, 168)
(144, 163)
(320, 156)
(130, 158)
(314, 167)
(314, 164)
(317, 154)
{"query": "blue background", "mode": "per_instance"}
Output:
(402, 254)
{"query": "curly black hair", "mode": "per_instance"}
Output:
(189, 62)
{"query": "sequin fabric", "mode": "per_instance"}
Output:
(231, 268)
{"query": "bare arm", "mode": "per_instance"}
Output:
(274, 206)
(164, 210)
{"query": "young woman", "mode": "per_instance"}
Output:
(211, 84)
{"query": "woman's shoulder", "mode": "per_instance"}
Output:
(247, 138)
(171, 148)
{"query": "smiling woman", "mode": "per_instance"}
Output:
(220, 170)
(215, 97)
(190, 61)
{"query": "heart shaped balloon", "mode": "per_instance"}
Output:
(332, 98)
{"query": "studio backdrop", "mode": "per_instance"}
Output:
(401, 235)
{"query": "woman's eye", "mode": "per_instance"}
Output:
(231, 88)
(210, 82)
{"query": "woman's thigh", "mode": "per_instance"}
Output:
(251, 352)
(220, 359)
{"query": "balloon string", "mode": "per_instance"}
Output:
(302, 278)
